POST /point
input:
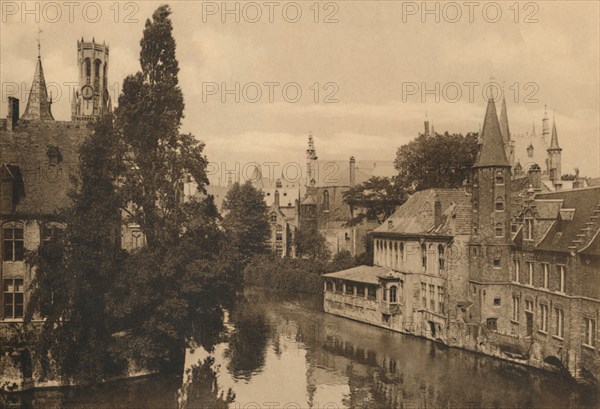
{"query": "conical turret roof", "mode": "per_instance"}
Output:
(554, 141)
(492, 151)
(504, 123)
(38, 105)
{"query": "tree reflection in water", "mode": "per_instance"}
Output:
(248, 343)
(201, 389)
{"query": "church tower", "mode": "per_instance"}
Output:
(554, 156)
(311, 159)
(91, 99)
(490, 231)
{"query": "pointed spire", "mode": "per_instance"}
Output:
(492, 151)
(311, 152)
(554, 142)
(38, 105)
(504, 123)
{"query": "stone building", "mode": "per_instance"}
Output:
(505, 266)
(39, 158)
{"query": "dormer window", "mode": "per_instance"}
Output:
(54, 155)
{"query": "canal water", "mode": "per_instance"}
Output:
(286, 353)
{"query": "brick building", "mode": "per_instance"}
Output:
(39, 156)
(505, 266)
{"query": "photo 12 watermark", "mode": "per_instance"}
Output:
(253, 12)
(55, 12)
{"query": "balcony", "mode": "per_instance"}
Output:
(391, 309)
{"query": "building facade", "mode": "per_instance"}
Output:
(505, 266)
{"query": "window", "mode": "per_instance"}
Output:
(441, 303)
(396, 254)
(515, 308)
(529, 305)
(432, 297)
(371, 292)
(517, 271)
(499, 230)
(88, 68)
(424, 257)
(349, 289)
(338, 286)
(441, 258)
(360, 290)
(499, 177)
(13, 243)
(424, 295)
(530, 270)
(543, 318)
(497, 263)
(50, 231)
(589, 334)
(402, 252)
(13, 298)
(393, 294)
(492, 324)
(529, 229)
(497, 301)
(546, 271)
(326, 200)
(329, 286)
(562, 284)
(273, 217)
(499, 203)
(559, 329)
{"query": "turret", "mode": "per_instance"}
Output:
(38, 104)
(554, 156)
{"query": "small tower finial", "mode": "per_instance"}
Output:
(39, 41)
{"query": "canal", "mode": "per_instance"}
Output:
(286, 353)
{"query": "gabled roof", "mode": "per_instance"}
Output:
(38, 105)
(492, 152)
(564, 234)
(417, 215)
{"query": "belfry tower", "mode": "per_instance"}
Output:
(91, 99)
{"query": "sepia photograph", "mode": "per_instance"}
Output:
(307, 204)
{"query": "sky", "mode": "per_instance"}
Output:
(360, 75)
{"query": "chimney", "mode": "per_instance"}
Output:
(13, 113)
(352, 171)
(535, 177)
(437, 212)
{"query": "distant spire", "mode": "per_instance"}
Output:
(554, 142)
(545, 128)
(311, 152)
(504, 123)
(492, 151)
(38, 105)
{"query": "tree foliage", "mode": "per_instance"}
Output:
(374, 200)
(440, 161)
(245, 223)
(100, 304)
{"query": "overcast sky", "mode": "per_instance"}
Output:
(371, 61)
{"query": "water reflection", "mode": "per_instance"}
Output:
(280, 352)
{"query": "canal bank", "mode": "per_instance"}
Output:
(286, 350)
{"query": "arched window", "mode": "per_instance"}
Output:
(499, 203)
(13, 243)
(396, 254)
(402, 252)
(88, 68)
(97, 65)
(424, 256)
(499, 230)
(441, 257)
(325, 200)
(499, 177)
(393, 294)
